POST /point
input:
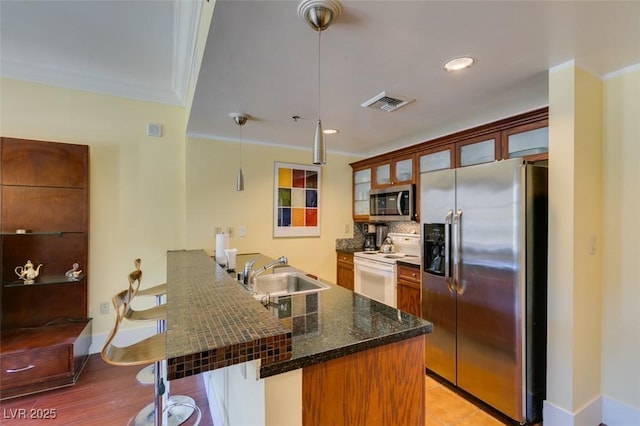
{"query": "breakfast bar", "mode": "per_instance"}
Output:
(334, 357)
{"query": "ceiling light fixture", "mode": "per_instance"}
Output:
(240, 120)
(319, 14)
(457, 64)
(330, 131)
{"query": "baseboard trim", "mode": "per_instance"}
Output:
(589, 415)
(124, 337)
(617, 413)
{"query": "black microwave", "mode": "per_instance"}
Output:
(395, 203)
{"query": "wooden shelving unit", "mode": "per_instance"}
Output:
(44, 217)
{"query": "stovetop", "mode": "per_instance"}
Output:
(406, 246)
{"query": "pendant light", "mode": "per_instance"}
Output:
(240, 120)
(319, 14)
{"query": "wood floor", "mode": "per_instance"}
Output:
(104, 395)
(107, 395)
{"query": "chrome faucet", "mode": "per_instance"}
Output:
(249, 274)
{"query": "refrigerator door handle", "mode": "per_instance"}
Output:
(447, 248)
(457, 243)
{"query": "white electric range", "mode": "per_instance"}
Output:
(375, 272)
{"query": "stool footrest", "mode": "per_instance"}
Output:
(179, 409)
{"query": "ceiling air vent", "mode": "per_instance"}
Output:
(385, 103)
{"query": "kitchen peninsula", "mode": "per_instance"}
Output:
(352, 361)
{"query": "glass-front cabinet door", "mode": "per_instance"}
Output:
(437, 158)
(398, 171)
(383, 174)
(403, 171)
(361, 187)
(530, 141)
(483, 149)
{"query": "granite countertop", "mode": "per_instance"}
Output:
(213, 322)
(347, 323)
(348, 250)
(410, 261)
(336, 322)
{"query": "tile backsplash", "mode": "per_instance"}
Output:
(357, 242)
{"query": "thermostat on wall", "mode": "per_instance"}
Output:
(154, 129)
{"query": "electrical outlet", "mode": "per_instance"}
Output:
(104, 308)
(242, 231)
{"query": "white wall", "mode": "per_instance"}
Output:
(212, 201)
(621, 250)
(136, 183)
(594, 322)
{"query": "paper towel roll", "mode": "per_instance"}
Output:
(221, 243)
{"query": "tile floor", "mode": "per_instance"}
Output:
(444, 407)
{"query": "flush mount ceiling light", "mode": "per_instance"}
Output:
(240, 119)
(330, 131)
(319, 14)
(457, 64)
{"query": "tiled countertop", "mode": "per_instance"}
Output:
(212, 322)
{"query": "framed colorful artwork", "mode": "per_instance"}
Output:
(296, 200)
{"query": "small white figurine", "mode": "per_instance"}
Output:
(27, 272)
(74, 273)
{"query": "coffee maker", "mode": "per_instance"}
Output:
(369, 237)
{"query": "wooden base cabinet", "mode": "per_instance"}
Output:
(409, 301)
(44, 211)
(344, 272)
(56, 359)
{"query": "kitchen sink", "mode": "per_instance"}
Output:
(287, 283)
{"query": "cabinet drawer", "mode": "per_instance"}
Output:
(407, 273)
(345, 259)
(35, 365)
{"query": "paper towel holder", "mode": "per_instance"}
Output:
(221, 245)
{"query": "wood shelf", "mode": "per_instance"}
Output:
(55, 279)
(45, 334)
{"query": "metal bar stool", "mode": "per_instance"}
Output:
(149, 350)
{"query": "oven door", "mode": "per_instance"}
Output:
(376, 280)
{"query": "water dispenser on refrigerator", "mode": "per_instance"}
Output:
(434, 248)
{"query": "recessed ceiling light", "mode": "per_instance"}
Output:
(330, 131)
(458, 64)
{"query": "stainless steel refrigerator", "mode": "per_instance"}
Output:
(484, 282)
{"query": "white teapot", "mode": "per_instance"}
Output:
(27, 272)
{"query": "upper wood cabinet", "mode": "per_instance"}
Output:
(361, 187)
(394, 171)
(530, 141)
(478, 150)
(437, 158)
(386, 171)
(525, 135)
